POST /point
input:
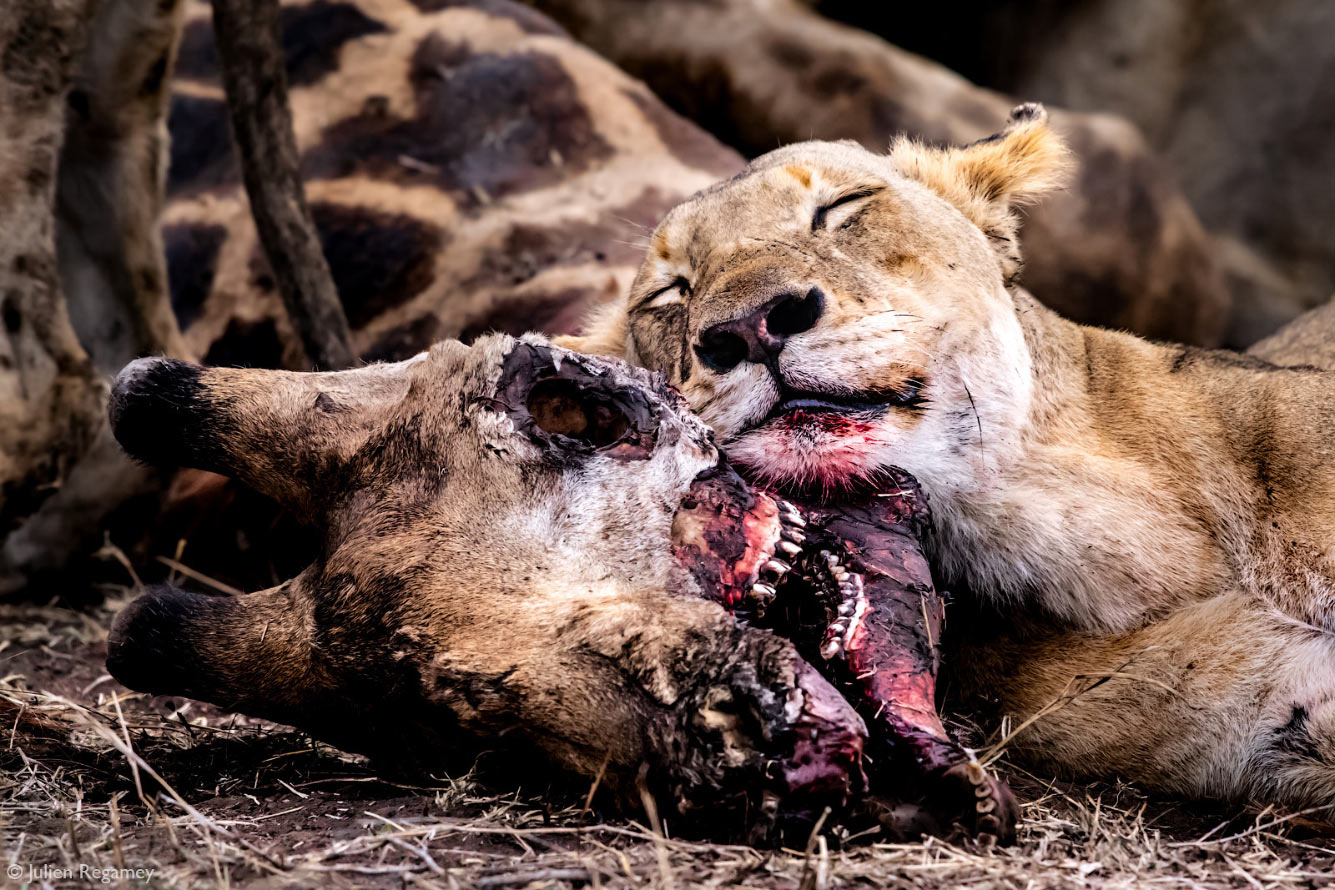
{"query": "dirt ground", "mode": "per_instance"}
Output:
(100, 786)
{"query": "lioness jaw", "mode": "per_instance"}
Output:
(545, 551)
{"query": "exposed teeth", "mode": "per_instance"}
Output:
(834, 637)
(852, 596)
(852, 601)
(791, 515)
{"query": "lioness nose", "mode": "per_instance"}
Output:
(759, 335)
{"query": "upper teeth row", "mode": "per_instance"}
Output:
(790, 544)
(790, 514)
(772, 572)
(852, 598)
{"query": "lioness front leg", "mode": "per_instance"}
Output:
(1227, 698)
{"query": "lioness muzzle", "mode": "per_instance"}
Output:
(546, 550)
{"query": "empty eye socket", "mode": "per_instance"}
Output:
(564, 408)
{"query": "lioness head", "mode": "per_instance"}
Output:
(831, 311)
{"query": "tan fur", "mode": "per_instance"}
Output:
(1153, 522)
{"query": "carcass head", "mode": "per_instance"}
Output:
(519, 544)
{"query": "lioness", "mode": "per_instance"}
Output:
(1145, 531)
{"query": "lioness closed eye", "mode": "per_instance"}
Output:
(1149, 526)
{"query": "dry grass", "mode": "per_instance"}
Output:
(99, 777)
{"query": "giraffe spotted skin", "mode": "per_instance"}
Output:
(469, 167)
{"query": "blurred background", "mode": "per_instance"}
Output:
(492, 165)
(1237, 99)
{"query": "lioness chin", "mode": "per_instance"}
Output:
(1145, 532)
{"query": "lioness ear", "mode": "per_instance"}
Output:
(989, 179)
(605, 332)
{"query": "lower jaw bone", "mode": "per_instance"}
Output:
(881, 645)
(876, 637)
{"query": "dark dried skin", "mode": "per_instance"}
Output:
(890, 663)
(528, 365)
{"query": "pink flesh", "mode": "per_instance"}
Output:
(722, 534)
(891, 646)
(827, 755)
(760, 530)
(893, 652)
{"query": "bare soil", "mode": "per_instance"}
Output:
(95, 779)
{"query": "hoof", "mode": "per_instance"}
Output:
(964, 801)
(980, 805)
